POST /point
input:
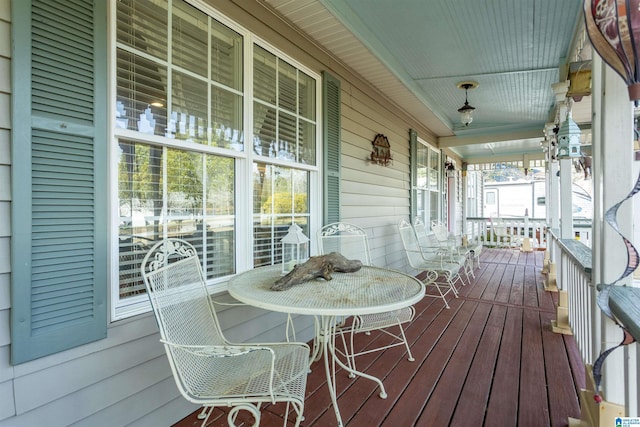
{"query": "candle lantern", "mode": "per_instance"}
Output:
(295, 248)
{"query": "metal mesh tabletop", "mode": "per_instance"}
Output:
(368, 290)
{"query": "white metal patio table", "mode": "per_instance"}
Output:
(367, 291)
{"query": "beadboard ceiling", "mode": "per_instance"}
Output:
(416, 51)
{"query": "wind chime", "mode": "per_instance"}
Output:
(614, 30)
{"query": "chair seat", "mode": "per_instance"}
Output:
(236, 379)
(369, 322)
(445, 265)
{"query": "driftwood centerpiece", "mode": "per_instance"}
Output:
(317, 266)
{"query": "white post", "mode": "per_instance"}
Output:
(553, 204)
(562, 207)
(566, 203)
(612, 181)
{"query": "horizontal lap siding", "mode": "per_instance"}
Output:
(123, 378)
(374, 197)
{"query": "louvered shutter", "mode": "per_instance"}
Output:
(59, 176)
(413, 156)
(332, 142)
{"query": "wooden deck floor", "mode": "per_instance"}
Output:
(490, 360)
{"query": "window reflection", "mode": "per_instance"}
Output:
(279, 199)
(189, 196)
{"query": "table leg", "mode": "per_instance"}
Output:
(329, 352)
(352, 371)
(327, 338)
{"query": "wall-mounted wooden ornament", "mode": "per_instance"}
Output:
(381, 153)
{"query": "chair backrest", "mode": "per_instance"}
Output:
(347, 239)
(410, 243)
(499, 227)
(440, 232)
(176, 287)
(423, 236)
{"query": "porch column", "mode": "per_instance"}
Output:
(613, 179)
(553, 204)
(548, 156)
(566, 223)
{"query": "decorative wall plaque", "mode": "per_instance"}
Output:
(381, 153)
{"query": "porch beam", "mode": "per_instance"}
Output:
(456, 141)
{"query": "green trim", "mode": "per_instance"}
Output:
(413, 174)
(59, 176)
(331, 115)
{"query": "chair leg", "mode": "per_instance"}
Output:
(204, 414)
(351, 358)
(410, 357)
(452, 280)
(349, 348)
(442, 295)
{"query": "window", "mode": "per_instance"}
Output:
(192, 133)
(427, 183)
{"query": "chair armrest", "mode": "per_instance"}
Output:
(227, 303)
(218, 350)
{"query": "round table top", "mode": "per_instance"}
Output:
(366, 291)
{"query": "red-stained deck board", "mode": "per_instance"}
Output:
(533, 405)
(502, 409)
(441, 405)
(473, 400)
(417, 393)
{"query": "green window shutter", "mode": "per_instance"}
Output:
(413, 156)
(332, 142)
(59, 176)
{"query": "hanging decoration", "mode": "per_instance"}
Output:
(614, 30)
(381, 153)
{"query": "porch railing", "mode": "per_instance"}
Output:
(507, 231)
(572, 260)
(573, 276)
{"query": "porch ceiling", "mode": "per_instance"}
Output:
(415, 52)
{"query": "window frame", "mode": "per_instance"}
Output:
(127, 307)
(426, 191)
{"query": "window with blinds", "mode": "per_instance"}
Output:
(197, 94)
(284, 130)
(184, 145)
(427, 183)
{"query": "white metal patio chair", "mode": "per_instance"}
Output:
(208, 369)
(433, 264)
(444, 244)
(471, 248)
(351, 241)
(501, 231)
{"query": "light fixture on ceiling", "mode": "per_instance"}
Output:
(466, 111)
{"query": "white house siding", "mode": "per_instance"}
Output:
(125, 379)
